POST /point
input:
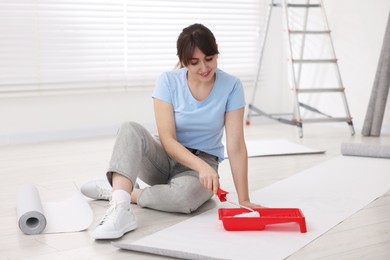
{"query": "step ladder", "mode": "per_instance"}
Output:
(297, 22)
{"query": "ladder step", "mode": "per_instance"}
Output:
(303, 5)
(309, 32)
(318, 90)
(332, 119)
(314, 60)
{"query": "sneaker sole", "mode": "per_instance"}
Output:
(115, 235)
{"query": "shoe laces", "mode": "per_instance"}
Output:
(104, 193)
(111, 213)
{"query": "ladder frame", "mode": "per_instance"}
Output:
(295, 78)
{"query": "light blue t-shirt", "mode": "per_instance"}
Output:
(200, 124)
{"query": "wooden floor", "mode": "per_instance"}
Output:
(55, 168)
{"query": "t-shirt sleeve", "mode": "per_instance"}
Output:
(162, 89)
(236, 98)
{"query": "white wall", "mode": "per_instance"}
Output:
(357, 28)
(56, 117)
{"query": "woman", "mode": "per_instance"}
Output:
(193, 105)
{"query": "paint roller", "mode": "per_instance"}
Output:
(251, 214)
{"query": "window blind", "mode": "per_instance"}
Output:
(57, 45)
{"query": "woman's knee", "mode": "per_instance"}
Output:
(130, 127)
(131, 133)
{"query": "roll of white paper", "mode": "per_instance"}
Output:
(35, 217)
(31, 217)
(366, 150)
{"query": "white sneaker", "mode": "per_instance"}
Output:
(119, 219)
(99, 189)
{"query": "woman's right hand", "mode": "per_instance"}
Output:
(209, 178)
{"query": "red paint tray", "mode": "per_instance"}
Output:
(268, 216)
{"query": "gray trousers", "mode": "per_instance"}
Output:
(173, 187)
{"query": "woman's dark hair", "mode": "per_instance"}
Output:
(196, 35)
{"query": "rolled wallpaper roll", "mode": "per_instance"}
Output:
(31, 218)
(34, 217)
(366, 150)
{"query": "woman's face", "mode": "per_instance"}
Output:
(202, 67)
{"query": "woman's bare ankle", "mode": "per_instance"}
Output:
(134, 195)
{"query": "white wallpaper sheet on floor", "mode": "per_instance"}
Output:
(327, 194)
(257, 148)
